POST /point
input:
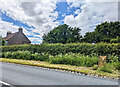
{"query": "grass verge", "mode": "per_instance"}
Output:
(78, 69)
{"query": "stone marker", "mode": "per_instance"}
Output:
(102, 61)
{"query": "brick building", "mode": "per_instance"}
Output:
(16, 38)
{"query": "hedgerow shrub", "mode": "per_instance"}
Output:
(117, 65)
(112, 58)
(70, 59)
(105, 69)
(95, 67)
(115, 40)
(55, 49)
(74, 59)
(72, 53)
(109, 67)
(26, 55)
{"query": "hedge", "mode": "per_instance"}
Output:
(74, 59)
(26, 55)
(55, 49)
(68, 59)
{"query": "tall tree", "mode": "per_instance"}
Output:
(63, 34)
(2, 41)
(103, 32)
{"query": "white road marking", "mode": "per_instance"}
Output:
(4, 83)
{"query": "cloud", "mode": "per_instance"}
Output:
(6, 26)
(103, 0)
(93, 13)
(39, 14)
(35, 40)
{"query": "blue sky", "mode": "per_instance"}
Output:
(18, 23)
(39, 18)
(64, 10)
(61, 7)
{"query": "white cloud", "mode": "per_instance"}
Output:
(77, 11)
(103, 0)
(92, 14)
(39, 14)
(33, 39)
(6, 26)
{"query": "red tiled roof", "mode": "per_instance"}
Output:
(9, 36)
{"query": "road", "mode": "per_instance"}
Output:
(16, 74)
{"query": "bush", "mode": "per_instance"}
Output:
(26, 55)
(74, 59)
(112, 58)
(55, 49)
(117, 65)
(113, 41)
(117, 40)
(72, 53)
(70, 58)
(105, 69)
(95, 67)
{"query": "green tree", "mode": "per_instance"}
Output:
(103, 33)
(2, 41)
(63, 34)
(116, 40)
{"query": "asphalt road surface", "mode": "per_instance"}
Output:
(16, 74)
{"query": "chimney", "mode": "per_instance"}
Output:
(20, 29)
(8, 33)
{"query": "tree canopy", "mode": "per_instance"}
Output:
(103, 33)
(63, 34)
(2, 41)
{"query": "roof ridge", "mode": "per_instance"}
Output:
(10, 36)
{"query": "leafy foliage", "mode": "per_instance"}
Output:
(105, 69)
(70, 59)
(117, 40)
(74, 59)
(95, 67)
(103, 33)
(2, 41)
(117, 65)
(71, 54)
(55, 49)
(63, 34)
(26, 55)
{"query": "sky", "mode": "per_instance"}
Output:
(38, 17)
